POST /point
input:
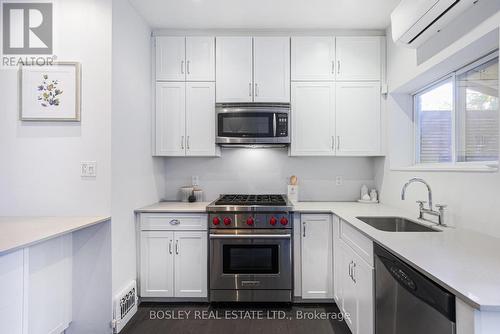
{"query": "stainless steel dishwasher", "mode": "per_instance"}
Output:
(407, 301)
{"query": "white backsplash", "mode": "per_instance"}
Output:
(268, 171)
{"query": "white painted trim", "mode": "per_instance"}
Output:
(268, 32)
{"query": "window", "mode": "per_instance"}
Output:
(457, 118)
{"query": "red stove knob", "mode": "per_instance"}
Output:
(284, 220)
(273, 221)
(216, 220)
(227, 221)
(250, 221)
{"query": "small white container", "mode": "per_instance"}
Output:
(185, 193)
(293, 193)
(198, 194)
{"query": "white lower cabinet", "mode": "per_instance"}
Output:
(36, 288)
(173, 262)
(316, 256)
(354, 287)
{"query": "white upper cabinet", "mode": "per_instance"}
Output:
(271, 61)
(170, 118)
(200, 119)
(317, 256)
(358, 118)
(358, 58)
(170, 58)
(185, 58)
(313, 58)
(200, 58)
(234, 69)
(313, 118)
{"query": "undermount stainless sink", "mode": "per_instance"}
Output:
(395, 224)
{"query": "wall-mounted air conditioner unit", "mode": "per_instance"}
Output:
(415, 21)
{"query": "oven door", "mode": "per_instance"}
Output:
(250, 259)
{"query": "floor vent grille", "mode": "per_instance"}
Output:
(125, 306)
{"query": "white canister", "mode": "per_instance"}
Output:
(293, 193)
(198, 194)
(185, 193)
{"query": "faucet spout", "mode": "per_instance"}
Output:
(419, 180)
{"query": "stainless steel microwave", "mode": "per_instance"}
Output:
(252, 123)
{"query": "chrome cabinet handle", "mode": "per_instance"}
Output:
(304, 230)
(333, 66)
(256, 90)
(187, 67)
(175, 222)
(338, 142)
(177, 247)
(353, 272)
(170, 246)
(333, 142)
(350, 269)
(182, 142)
(250, 89)
(187, 142)
(338, 66)
(182, 67)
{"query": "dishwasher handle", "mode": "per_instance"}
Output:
(416, 283)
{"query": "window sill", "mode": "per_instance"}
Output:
(467, 168)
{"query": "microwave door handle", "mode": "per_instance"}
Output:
(274, 125)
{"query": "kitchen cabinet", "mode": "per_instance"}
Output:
(234, 69)
(358, 58)
(313, 119)
(271, 63)
(173, 256)
(11, 290)
(253, 69)
(185, 119)
(358, 118)
(189, 58)
(316, 256)
(313, 58)
(354, 280)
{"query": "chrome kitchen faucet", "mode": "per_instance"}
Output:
(430, 211)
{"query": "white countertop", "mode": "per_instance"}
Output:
(174, 207)
(463, 261)
(20, 232)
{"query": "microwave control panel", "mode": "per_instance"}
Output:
(282, 125)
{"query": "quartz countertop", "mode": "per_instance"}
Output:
(465, 262)
(20, 232)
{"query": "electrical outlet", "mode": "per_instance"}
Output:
(88, 168)
(339, 181)
(195, 180)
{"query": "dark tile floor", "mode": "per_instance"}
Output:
(158, 318)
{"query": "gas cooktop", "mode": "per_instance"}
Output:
(242, 203)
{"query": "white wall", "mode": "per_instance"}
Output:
(40, 162)
(136, 176)
(472, 197)
(268, 171)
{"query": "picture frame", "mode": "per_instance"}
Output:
(50, 93)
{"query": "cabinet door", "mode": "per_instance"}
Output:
(200, 58)
(200, 118)
(11, 290)
(170, 58)
(271, 63)
(358, 58)
(49, 289)
(157, 264)
(170, 118)
(313, 118)
(363, 277)
(234, 69)
(348, 287)
(358, 118)
(317, 262)
(313, 58)
(337, 260)
(191, 264)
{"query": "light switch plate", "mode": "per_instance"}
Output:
(338, 181)
(88, 169)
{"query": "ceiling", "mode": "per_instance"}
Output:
(266, 14)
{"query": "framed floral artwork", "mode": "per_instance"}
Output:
(50, 93)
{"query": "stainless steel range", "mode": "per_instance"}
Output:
(251, 248)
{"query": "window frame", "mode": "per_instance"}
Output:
(454, 165)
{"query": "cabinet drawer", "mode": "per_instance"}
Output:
(361, 244)
(150, 222)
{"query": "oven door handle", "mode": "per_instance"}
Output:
(274, 125)
(250, 236)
